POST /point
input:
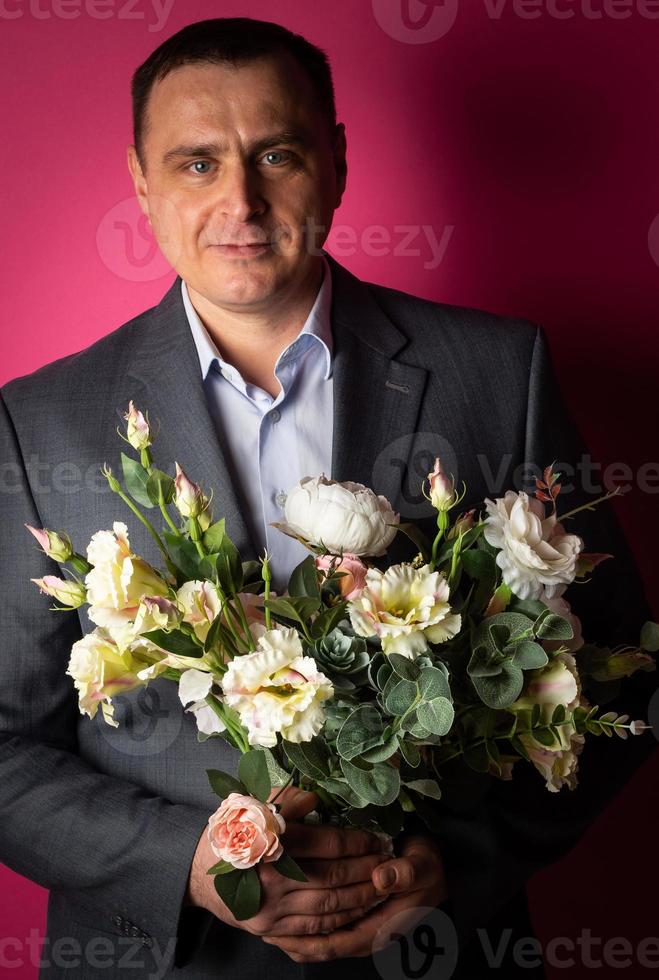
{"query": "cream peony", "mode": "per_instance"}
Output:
(339, 517)
(200, 604)
(119, 579)
(276, 689)
(244, 831)
(537, 557)
(406, 607)
(101, 668)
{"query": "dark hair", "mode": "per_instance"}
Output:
(233, 40)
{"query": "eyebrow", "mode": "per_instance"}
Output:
(186, 150)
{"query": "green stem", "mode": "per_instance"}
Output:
(240, 740)
(282, 788)
(590, 506)
(140, 516)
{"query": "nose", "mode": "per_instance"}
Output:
(239, 195)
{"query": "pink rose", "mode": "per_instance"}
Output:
(244, 831)
(354, 580)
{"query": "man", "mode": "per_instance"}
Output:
(264, 362)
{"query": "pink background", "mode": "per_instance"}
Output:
(534, 138)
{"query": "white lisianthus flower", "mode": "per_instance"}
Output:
(406, 607)
(193, 688)
(536, 555)
(559, 768)
(156, 612)
(340, 517)
(555, 683)
(200, 604)
(101, 668)
(119, 579)
(276, 689)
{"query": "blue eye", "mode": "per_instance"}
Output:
(277, 154)
(203, 163)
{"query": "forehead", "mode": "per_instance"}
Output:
(222, 98)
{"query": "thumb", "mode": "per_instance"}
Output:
(402, 874)
(294, 803)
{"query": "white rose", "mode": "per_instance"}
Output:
(119, 579)
(341, 517)
(537, 557)
(201, 604)
(406, 608)
(276, 689)
(101, 668)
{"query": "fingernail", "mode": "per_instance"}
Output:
(386, 878)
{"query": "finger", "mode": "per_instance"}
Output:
(294, 803)
(404, 874)
(311, 925)
(343, 871)
(302, 841)
(325, 901)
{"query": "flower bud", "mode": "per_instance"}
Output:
(70, 593)
(188, 496)
(464, 523)
(56, 545)
(138, 432)
(442, 495)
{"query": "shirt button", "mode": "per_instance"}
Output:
(275, 415)
(280, 498)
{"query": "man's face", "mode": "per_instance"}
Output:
(242, 178)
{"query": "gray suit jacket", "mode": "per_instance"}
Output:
(107, 819)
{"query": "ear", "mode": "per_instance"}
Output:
(340, 161)
(139, 180)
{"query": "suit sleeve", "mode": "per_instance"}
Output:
(495, 838)
(120, 853)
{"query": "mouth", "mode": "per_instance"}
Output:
(248, 250)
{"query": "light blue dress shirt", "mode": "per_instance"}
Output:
(272, 443)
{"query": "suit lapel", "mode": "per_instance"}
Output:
(377, 398)
(165, 377)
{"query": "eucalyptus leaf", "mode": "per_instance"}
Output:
(426, 787)
(362, 730)
(436, 715)
(311, 758)
(380, 785)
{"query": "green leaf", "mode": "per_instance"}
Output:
(289, 868)
(410, 753)
(176, 641)
(559, 715)
(253, 772)
(212, 538)
(399, 695)
(299, 608)
(222, 783)
(135, 480)
(529, 655)
(362, 730)
(426, 787)
(553, 627)
(436, 715)
(337, 787)
(160, 483)
(184, 554)
(380, 753)
(240, 892)
(433, 684)
(408, 669)
(478, 564)
(311, 758)
(328, 619)
(221, 868)
(650, 637)
(304, 580)
(229, 566)
(380, 785)
(500, 691)
(278, 775)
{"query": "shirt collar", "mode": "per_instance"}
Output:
(318, 324)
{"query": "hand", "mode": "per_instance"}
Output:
(339, 865)
(411, 883)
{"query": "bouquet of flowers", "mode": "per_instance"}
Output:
(359, 684)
